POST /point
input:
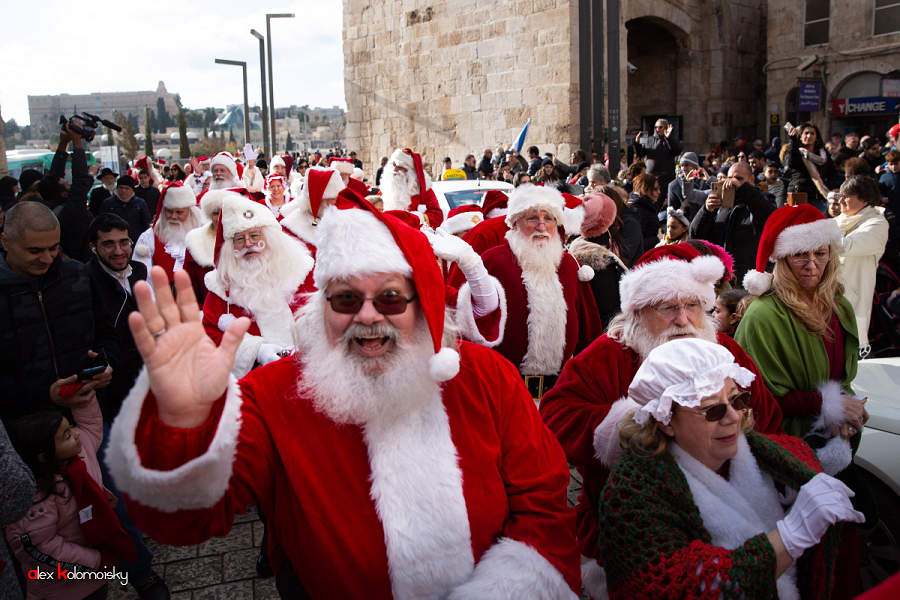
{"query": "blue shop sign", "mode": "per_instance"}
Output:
(810, 96)
(871, 105)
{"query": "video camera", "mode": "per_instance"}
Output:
(86, 125)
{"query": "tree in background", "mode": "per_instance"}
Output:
(178, 102)
(163, 120)
(148, 132)
(184, 149)
(11, 131)
(126, 138)
(288, 143)
(132, 118)
(231, 135)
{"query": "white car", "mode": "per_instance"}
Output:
(878, 379)
(454, 193)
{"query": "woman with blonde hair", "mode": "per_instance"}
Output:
(701, 506)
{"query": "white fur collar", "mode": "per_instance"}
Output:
(738, 508)
(299, 222)
(417, 483)
(202, 243)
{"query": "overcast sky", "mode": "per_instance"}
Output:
(119, 47)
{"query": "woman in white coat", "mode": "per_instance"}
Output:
(865, 234)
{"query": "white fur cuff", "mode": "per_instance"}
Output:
(246, 355)
(512, 570)
(465, 316)
(198, 483)
(832, 414)
(593, 578)
(607, 448)
(835, 456)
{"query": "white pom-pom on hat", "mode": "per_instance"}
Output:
(585, 273)
(444, 365)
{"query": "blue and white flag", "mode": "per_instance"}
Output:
(520, 141)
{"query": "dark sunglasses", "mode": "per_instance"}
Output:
(717, 412)
(388, 303)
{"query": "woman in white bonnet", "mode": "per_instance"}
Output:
(700, 505)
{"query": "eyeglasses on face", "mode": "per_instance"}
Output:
(717, 411)
(386, 303)
(251, 238)
(109, 245)
(800, 260)
(534, 221)
(669, 311)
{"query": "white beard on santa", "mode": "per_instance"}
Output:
(398, 188)
(630, 332)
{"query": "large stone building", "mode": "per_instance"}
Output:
(450, 78)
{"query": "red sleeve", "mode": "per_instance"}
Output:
(432, 210)
(800, 403)
(213, 308)
(589, 325)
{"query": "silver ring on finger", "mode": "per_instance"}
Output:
(158, 333)
(852, 431)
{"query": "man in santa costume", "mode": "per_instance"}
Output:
(488, 233)
(450, 486)
(402, 184)
(666, 296)
(345, 167)
(301, 217)
(200, 256)
(259, 270)
(164, 243)
(551, 313)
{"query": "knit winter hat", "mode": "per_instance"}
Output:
(682, 371)
(227, 160)
(690, 158)
(789, 230)
(678, 214)
(528, 198)
(599, 215)
(358, 240)
(670, 272)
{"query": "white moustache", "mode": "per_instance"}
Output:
(250, 249)
(356, 330)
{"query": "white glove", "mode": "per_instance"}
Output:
(822, 502)
(451, 248)
(268, 353)
(249, 153)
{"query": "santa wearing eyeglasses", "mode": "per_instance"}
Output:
(259, 273)
(450, 485)
(665, 297)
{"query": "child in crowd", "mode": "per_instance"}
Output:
(726, 309)
(677, 227)
(71, 525)
(834, 204)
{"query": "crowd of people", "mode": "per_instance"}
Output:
(184, 341)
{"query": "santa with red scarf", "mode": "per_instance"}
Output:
(164, 243)
(402, 186)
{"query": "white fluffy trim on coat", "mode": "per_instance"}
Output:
(246, 355)
(201, 242)
(512, 570)
(593, 578)
(832, 413)
(607, 448)
(465, 315)
(198, 483)
(835, 455)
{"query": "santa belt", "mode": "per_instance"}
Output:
(538, 385)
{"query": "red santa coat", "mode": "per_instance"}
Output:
(198, 259)
(403, 509)
(484, 236)
(578, 312)
(429, 206)
(584, 406)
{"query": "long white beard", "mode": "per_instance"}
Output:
(172, 232)
(225, 184)
(538, 254)
(642, 341)
(398, 188)
(352, 389)
(262, 283)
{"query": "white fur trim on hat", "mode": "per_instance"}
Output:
(529, 197)
(225, 159)
(276, 161)
(342, 166)
(496, 212)
(444, 365)
(572, 219)
(669, 279)
(399, 157)
(354, 243)
(757, 283)
(211, 202)
(179, 197)
(799, 239)
(462, 222)
(358, 174)
(198, 483)
(240, 214)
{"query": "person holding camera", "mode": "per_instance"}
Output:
(659, 151)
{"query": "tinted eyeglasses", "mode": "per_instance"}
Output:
(387, 303)
(717, 411)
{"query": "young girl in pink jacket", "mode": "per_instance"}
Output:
(70, 540)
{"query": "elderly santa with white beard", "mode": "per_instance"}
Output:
(259, 271)
(665, 297)
(450, 486)
(551, 312)
(301, 217)
(164, 243)
(200, 253)
(402, 184)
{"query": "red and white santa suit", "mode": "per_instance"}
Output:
(286, 161)
(200, 243)
(483, 236)
(551, 313)
(276, 210)
(163, 244)
(584, 407)
(461, 494)
(345, 167)
(402, 190)
(264, 288)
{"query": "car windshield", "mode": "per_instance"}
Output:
(462, 197)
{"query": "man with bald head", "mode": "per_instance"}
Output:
(739, 227)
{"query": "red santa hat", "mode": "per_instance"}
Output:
(494, 204)
(721, 253)
(894, 131)
(341, 165)
(174, 196)
(240, 214)
(142, 163)
(227, 160)
(599, 214)
(668, 273)
(789, 230)
(462, 218)
(532, 198)
(573, 215)
(411, 219)
(320, 184)
(276, 161)
(276, 177)
(358, 240)
(412, 161)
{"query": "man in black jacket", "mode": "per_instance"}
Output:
(659, 151)
(69, 202)
(146, 191)
(736, 228)
(128, 206)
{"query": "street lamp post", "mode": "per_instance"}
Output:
(243, 65)
(262, 79)
(269, 17)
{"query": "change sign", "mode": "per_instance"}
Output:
(871, 105)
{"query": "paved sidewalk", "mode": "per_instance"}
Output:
(218, 568)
